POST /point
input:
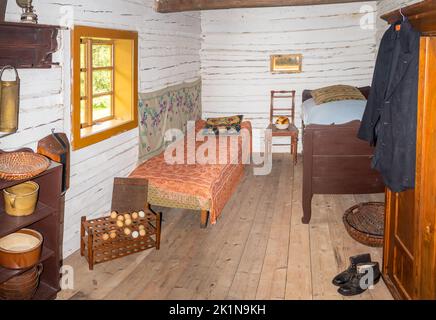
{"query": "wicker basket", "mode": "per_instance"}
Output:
(22, 165)
(365, 223)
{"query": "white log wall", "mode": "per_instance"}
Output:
(236, 49)
(231, 46)
(169, 54)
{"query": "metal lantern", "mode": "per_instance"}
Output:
(28, 15)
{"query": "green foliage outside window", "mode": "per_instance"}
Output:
(102, 79)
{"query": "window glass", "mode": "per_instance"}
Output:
(83, 112)
(101, 107)
(82, 55)
(83, 84)
(98, 106)
(101, 55)
(101, 81)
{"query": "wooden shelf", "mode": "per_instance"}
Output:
(422, 16)
(6, 274)
(29, 25)
(9, 183)
(47, 219)
(10, 224)
(45, 292)
(24, 45)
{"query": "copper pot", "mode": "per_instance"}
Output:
(22, 287)
(20, 250)
(20, 200)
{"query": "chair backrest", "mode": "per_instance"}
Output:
(288, 111)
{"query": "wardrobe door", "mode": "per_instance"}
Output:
(426, 170)
(400, 244)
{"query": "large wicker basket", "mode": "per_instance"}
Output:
(22, 165)
(365, 223)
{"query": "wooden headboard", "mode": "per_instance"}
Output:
(307, 94)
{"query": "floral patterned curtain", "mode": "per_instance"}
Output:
(159, 111)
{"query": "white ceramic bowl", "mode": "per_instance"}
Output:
(282, 126)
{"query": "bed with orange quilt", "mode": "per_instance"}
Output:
(194, 185)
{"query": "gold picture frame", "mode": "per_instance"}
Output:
(286, 63)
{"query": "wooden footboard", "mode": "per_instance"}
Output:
(336, 162)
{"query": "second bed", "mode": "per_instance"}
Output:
(335, 161)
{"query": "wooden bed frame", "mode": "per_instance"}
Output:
(335, 161)
(221, 184)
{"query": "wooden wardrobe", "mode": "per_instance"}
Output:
(409, 265)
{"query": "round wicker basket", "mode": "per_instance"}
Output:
(22, 165)
(365, 223)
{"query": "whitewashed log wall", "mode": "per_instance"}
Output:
(236, 49)
(169, 54)
(232, 47)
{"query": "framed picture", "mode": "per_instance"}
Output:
(289, 63)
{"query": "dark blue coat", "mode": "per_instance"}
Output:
(390, 118)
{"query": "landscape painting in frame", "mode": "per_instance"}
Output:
(289, 63)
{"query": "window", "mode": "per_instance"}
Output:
(97, 69)
(105, 84)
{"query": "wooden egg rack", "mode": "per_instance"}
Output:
(97, 249)
(105, 239)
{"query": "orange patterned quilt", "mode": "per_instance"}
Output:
(209, 186)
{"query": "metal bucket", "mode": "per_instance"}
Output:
(20, 200)
(9, 102)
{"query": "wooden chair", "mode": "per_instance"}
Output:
(289, 112)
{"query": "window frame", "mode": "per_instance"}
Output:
(89, 81)
(111, 126)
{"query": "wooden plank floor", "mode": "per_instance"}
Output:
(259, 249)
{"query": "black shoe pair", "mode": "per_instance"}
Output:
(359, 277)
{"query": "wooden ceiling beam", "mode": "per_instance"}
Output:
(166, 6)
